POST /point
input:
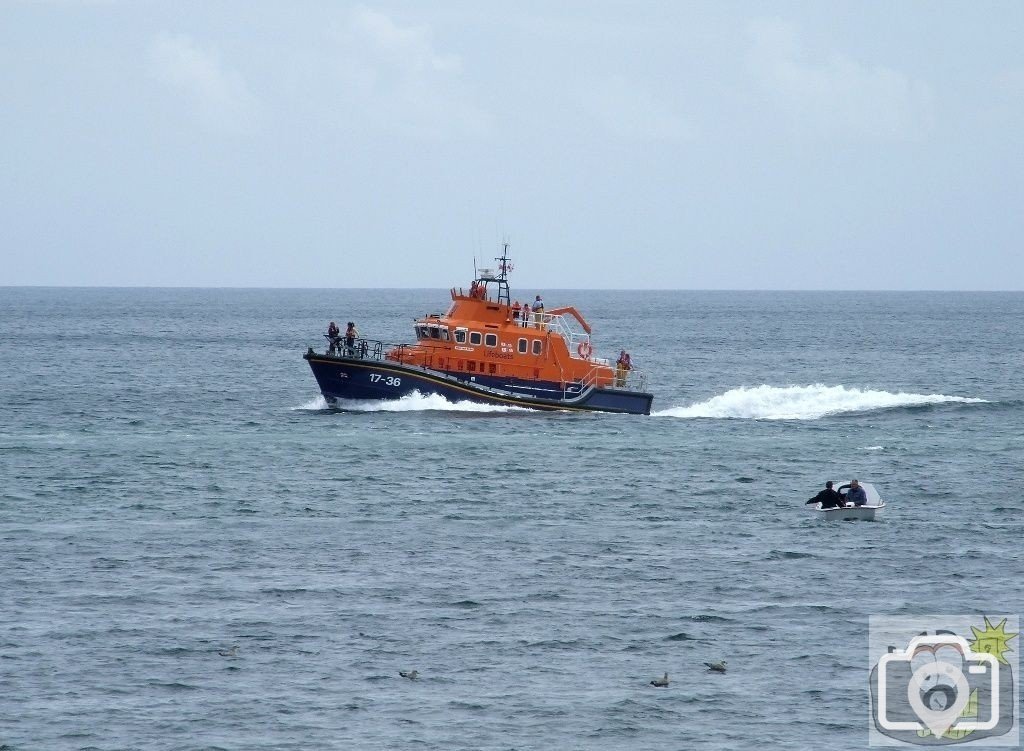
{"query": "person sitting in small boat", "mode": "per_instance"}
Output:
(334, 337)
(856, 494)
(828, 498)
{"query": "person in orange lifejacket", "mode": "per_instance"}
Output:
(622, 367)
(516, 307)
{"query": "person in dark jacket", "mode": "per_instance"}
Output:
(334, 337)
(828, 498)
(856, 494)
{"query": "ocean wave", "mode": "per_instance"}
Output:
(804, 402)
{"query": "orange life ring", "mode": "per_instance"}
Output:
(584, 349)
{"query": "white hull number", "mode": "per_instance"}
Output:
(386, 380)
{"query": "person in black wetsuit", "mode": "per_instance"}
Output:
(828, 498)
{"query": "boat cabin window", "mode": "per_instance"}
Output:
(444, 335)
(434, 332)
(460, 336)
(422, 332)
(522, 346)
(491, 340)
(474, 337)
(536, 346)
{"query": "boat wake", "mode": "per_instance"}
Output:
(803, 402)
(414, 402)
(318, 404)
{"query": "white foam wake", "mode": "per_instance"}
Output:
(802, 402)
(414, 402)
(313, 405)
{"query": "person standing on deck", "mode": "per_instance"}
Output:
(515, 312)
(334, 337)
(622, 367)
(538, 312)
(350, 337)
(525, 314)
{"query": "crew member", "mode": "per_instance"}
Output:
(350, 337)
(334, 338)
(622, 367)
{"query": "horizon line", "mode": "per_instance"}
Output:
(566, 289)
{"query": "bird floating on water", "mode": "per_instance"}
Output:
(660, 682)
(410, 674)
(716, 667)
(233, 652)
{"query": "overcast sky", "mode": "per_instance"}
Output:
(710, 145)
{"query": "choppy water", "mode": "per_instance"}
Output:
(172, 486)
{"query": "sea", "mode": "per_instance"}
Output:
(197, 553)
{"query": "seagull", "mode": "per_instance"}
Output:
(410, 674)
(233, 652)
(660, 682)
(716, 667)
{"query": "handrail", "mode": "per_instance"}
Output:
(556, 323)
(633, 380)
(574, 313)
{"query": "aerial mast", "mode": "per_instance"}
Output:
(504, 267)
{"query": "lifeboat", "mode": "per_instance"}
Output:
(484, 350)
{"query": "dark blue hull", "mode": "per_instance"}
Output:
(359, 378)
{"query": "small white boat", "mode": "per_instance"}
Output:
(868, 512)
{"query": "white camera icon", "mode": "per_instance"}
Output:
(938, 691)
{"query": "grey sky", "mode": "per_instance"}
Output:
(778, 145)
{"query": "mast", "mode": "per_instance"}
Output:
(504, 267)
